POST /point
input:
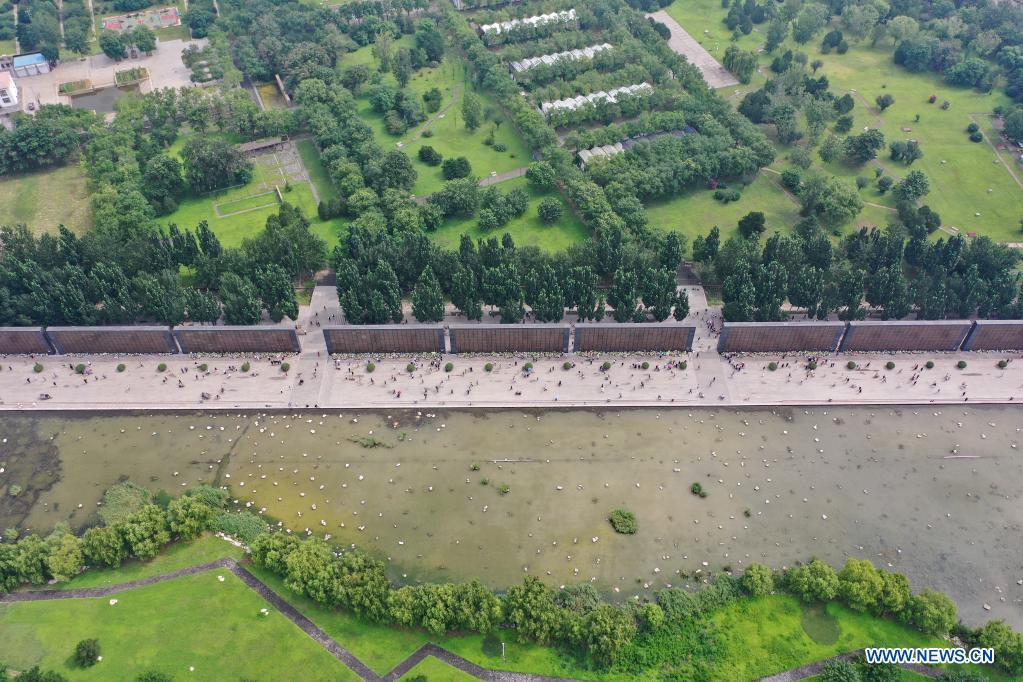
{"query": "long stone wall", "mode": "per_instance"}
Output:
(995, 335)
(508, 338)
(633, 337)
(384, 339)
(87, 340)
(23, 341)
(779, 337)
(237, 340)
(938, 335)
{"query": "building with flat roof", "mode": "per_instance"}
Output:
(8, 93)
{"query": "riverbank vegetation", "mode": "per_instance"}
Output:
(693, 634)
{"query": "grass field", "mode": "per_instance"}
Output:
(527, 230)
(241, 212)
(959, 187)
(191, 622)
(154, 627)
(437, 671)
(449, 135)
(30, 198)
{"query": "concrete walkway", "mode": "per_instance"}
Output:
(681, 42)
(291, 613)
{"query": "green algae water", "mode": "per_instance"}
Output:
(934, 493)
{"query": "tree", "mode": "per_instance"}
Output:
(1014, 125)
(1008, 645)
(212, 163)
(472, 111)
(829, 199)
(623, 294)
(430, 156)
(609, 631)
(844, 104)
(202, 306)
(541, 175)
(146, 532)
(831, 148)
(740, 62)
(859, 584)
(549, 210)
(401, 67)
(427, 299)
(455, 168)
(112, 45)
(104, 545)
(895, 594)
(810, 21)
(932, 612)
(902, 27)
(531, 610)
(680, 311)
(142, 37)
(863, 147)
(739, 294)
(758, 580)
(162, 182)
(752, 224)
(86, 653)
(276, 292)
(189, 516)
(912, 188)
(816, 581)
(67, 559)
(839, 671)
(465, 294)
(241, 300)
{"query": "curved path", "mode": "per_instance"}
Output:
(291, 613)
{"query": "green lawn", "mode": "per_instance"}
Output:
(317, 173)
(243, 210)
(192, 622)
(527, 230)
(437, 671)
(449, 135)
(172, 558)
(959, 187)
(271, 96)
(29, 199)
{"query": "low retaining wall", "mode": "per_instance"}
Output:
(237, 340)
(386, 338)
(23, 341)
(995, 335)
(509, 338)
(780, 337)
(88, 340)
(633, 337)
(937, 335)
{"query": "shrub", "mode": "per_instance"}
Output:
(850, 365)
(121, 500)
(87, 653)
(504, 489)
(120, 367)
(243, 525)
(430, 156)
(697, 489)
(528, 366)
(758, 580)
(977, 137)
(285, 367)
(651, 617)
(410, 367)
(683, 365)
(203, 367)
(427, 133)
(889, 365)
(80, 368)
(500, 147)
(772, 366)
(623, 521)
(861, 182)
(929, 364)
(961, 364)
(549, 210)
(37, 368)
(370, 368)
(489, 367)
(449, 366)
(811, 365)
(246, 366)
(645, 365)
(455, 168)
(839, 671)
(1002, 364)
(162, 367)
(567, 365)
(474, 467)
(606, 366)
(932, 612)
(972, 128)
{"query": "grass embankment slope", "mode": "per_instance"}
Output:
(959, 186)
